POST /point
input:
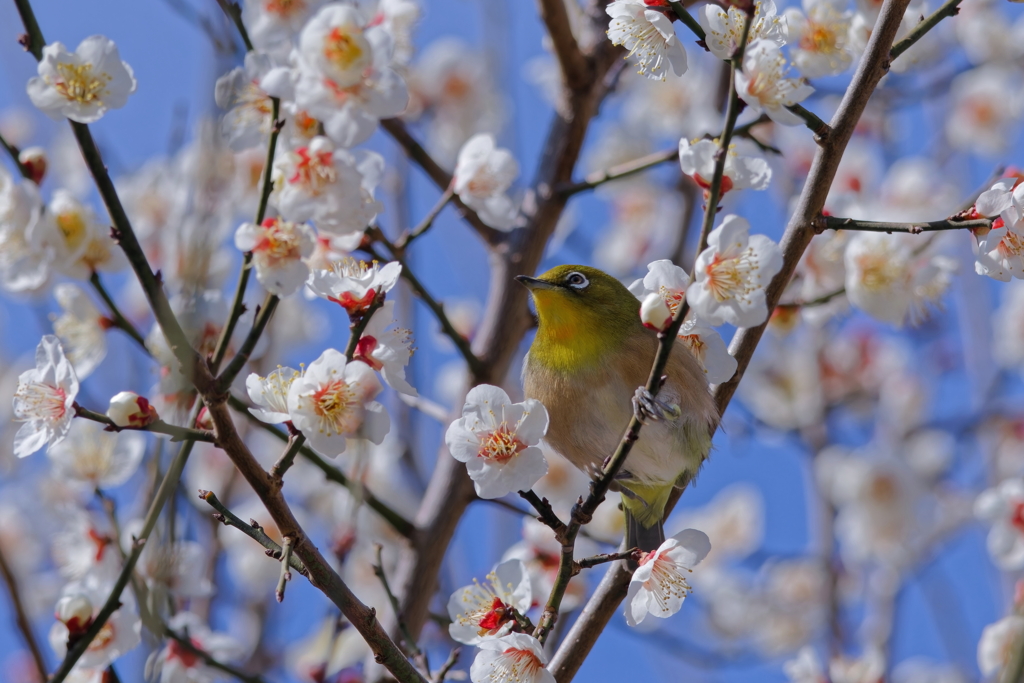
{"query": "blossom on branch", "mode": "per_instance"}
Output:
(25, 258)
(81, 329)
(486, 610)
(118, 635)
(482, 177)
(270, 394)
(724, 29)
(497, 439)
(353, 285)
(128, 409)
(697, 160)
(278, 248)
(333, 400)
(658, 586)
(763, 86)
(819, 35)
(387, 350)
(84, 84)
(1003, 508)
(44, 399)
(177, 663)
(648, 35)
(513, 658)
(731, 275)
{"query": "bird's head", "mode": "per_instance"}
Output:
(583, 313)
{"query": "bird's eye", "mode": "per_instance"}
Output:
(577, 280)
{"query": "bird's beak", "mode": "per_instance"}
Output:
(533, 283)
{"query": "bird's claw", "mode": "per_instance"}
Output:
(647, 408)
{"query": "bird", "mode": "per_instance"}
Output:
(588, 364)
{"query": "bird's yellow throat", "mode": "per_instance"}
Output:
(571, 335)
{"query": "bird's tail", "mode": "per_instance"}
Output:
(645, 506)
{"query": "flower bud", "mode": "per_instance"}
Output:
(204, 420)
(654, 312)
(75, 612)
(34, 159)
(128, 409)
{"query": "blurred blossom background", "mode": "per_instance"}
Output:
(863, 497)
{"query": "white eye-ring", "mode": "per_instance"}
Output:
(577, 280)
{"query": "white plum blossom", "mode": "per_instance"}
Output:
(118, 635)
(724, 29)
(997, 643)
(648, 35)
(25, 258)
(96, 457)
(819, 37)
(249, 109)
(658, 586)
(84, 84)
(512, 658)
(697, 159)
(654, 312)
(44, 399)
(128, 409)
(878, 275)
(272, 23)
(704, 342)
(482, 177)
(497, 439)
(81, 329)
(270, 394)
(333, 400)
(331, 187)
(1006, 195)
(763, 86)
(352, 284)
(176, 663)
(1003, 508)
(386, 350)
(999, 252)
(485, 610)
(731, 275)
(278, 248)
(344, 75)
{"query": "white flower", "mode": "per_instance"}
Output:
(485, 610)
(497, 439)
(658, 586)
(248, 118)
(353, 284)
(819, 35)
(96, 457)
(25, 257)
(344, 74)
(878, 275)
(482, 177)
(1003, 507)
(119, 634)
(763, 86)
(272, 23)
(997, 643)
(732, 274)
(648, 35)
(75, 612)
(724, 29)
(513, 658)
(333, 399)
(654, 312)
(44, 399)
(177, 664)
(270, 394)
(999, 252)
(741, 172)
(128, 409)
(333, 188)
(704, 342)
(278, 248)
(81, 329)
(1006, 195)
(387, 351)
(84, 548)
(84, 85)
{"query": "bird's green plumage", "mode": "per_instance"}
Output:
(590, 354)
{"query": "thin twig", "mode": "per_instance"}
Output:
(619, 171)
(418, 655)
(837, 223)
(234, 12)
(546, 513)
(950, 9)
(253, 531)
(405, 240)
(358, 326)
(237, 364)
(688, 19)
(288, 457)
(448, 665)
(159, 427)
(286, 575)
(21, 616)
(14, 153)
(120, 322)
(588, 562)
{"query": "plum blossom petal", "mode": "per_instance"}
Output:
(270, 394)
(84, 84)
(485, 610)
(648, 35)
(44, 399)
(387, 350)
(512, 658)
(278, 249)
(724, 29)
(658, 586)
(763, 86)
(483, 174)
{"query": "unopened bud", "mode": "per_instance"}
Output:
(75, 612)
(34, 159)
(654, 312)
(128, 409)
(204, 420)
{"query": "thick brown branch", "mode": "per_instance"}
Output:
(575, 69)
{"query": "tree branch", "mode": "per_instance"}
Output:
(21, 616)
(253, 531)
(574, 66)
(159, 427)
(950, 9)
(618, 171)
(823, 223)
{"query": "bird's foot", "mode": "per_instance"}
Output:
(647, 408)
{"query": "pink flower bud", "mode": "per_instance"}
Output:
(34, 159)
(654, 312)
(128, 409)
(204, 420)
(75, 612)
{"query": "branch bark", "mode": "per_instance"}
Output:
(575, 69)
